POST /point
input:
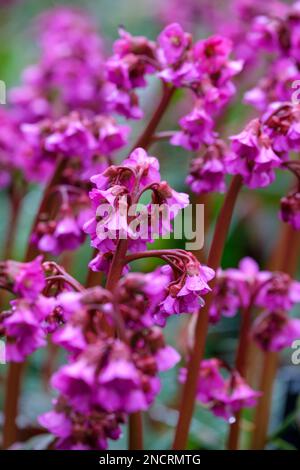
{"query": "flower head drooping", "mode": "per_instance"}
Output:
(197, 129)
(223, 392)
(290, 209)
(247, 286)
(274, 330)
(105, 378)
(69, 75)
(24, 279)
(185, 292)
(81, 431)
(207, 172)
(35, 312)
(173, 43)
(24, 327)
(253, 156)
(277, 34)
(115, 198)
(134, 57)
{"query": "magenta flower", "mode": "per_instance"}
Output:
(28, 279)
(185, 295)
(212, 54)
(290, 209)
(71, 338)
(69, 75)
(145, 166)
(173, 42)
(207, 172)
(210, 379)
(223, 394)
(197, 129)
(24, 328)
(81, 431)
(119, 388)
(254, 158)
(280, 292)
(66, 236)
(57, 423)
(274, 330)
(75, 381)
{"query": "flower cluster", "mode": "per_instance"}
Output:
(106, 378)
(69, 75)
(229, 18)
(61, 130)
(273, 293)
(223, 395)
(25, 326)
(278, 35)
(207, 70)
(265, 145)
(83, 146)
(115, 198)
(173, 289)
(134, 57)
(85, 143)
(207, 171)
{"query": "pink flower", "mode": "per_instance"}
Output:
(254, 158)
(28, 279)
(145, 166)
(173, 42)
(280, 292)
(24, 327)
(207, 172)
(75, 381)
(81, 431)
(57, 423)
(119, 388)
(290, 209)
(66, 236)
(185, 295)
(212, 54)
(223, 395)
(197, 129)
(274, 330)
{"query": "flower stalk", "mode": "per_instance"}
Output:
(285, 259)
(201, 328)
(241, 366)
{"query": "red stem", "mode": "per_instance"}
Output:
(241, 366)
(285, 259)
(145, 139)
(201, 329)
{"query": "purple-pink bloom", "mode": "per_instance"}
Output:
(253, 156)
(274, 330)
(173, 43)
(290, 209)
(197, 130)
(24, 328)
(207, 172)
